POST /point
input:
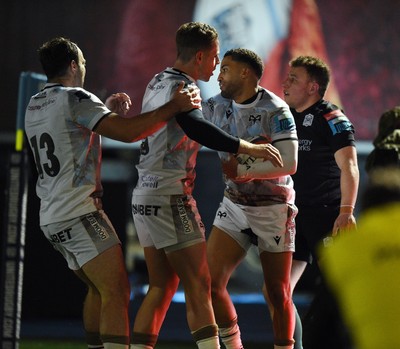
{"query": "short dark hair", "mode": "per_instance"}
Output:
(316, 68)
(56, 55)
(248, 57)
(192, 37)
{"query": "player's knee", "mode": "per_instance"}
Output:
(163, 294)
(118, 292)
(203, 282)
(215, 290)
(278, 295)
(218, 289)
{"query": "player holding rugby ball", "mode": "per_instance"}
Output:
(258, 204)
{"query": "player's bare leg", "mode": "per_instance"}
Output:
(106, 304)
(298, 268)
(224, 254)
(91, 312)
(163, 283)
(190, 264)
(276, 269)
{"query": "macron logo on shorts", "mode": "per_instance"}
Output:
(277, 239)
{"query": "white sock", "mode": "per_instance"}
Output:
(283, 346)
(208, 343)
(140, 346)
(115, 346)
(230, 337)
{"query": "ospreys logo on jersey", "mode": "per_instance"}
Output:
(210, 104)
(81, 95)
(228, 113)
(144, 147)
(160, 76)
(254, 118)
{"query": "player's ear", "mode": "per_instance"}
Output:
(73, 65)
(245, 72)
(314, 87)
(199, 56)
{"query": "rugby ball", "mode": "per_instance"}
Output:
(248, 160)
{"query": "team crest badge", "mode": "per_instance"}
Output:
(254, 118)
(308, 119)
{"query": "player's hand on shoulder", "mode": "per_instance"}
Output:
(187, 98)
(119, 103)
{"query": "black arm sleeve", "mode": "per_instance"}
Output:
(206, 133)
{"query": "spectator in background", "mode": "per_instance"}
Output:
(386, 150)
(362, 267)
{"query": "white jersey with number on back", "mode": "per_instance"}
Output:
(168, 157)
(58, 123)
(269, 117)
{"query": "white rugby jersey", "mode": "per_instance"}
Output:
(268, 116)
(167, 157)
(58, 123)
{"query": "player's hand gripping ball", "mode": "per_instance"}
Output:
(248, 160)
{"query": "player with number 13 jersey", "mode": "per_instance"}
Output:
(67, 157)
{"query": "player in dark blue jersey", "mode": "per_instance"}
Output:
(327, 177)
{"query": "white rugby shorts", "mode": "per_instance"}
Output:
(81, 239)
(170, 222)
(271, 227)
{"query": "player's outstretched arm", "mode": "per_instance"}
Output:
(132, 129)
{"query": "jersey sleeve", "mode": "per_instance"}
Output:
(87, 109)
(206, 133)
(283, 126)
(340, 130)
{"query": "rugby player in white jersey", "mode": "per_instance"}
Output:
(258, 204)
(166, 218)
(63, 124)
